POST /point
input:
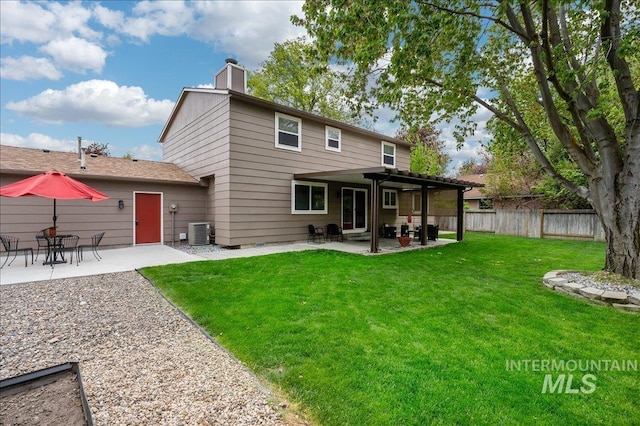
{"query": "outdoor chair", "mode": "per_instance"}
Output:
(95, 242)
(68, 244)
(334, 231)
(432, 232)
(42, 244)
(315, 233)
(417, 233)
(11, 245)
(390, 231)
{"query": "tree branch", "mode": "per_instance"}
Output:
(498, 21)
(561, 131)
(531, 142)
(610, 36)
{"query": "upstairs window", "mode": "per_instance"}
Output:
(388, 154)
(308, 197)
(389, 199)
(288, 132)
(332, 137)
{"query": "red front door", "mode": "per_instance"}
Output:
(148, 218)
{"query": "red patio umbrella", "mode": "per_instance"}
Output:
(52, 184)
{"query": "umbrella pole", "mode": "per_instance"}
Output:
(55, 218)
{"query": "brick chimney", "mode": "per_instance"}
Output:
(232, 76)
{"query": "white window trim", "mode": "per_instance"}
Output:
(326, 139)
(277, 126)
(382, 154)
(317, 184)
(389, 206)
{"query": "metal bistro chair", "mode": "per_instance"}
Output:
(334, 231)
(43, 243)
(95, 242)
(11, 245)
(68, 244)
(315, 233)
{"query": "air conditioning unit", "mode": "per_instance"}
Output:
(199, 234)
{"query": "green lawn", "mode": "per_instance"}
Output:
(419, 337)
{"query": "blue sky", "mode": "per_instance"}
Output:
(111, 71)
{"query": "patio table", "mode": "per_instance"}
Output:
(52, 255)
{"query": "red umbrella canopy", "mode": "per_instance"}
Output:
(52, 184)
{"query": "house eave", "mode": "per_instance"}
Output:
(23, 172)
(243, 97)
(389, 177)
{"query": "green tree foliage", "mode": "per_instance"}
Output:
(294, 76)
(474, 166)
(521, 60)
(427, 152)
(513, 171)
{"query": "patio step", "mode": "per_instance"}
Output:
(360, 236)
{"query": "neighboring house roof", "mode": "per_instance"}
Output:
(29, 161)
(275, 107)
(475, 193)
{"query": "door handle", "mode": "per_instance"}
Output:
(136, 222)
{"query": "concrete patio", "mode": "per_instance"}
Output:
(132, 258)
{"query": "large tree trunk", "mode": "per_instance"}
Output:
(617, 203)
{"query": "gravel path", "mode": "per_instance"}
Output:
(142, 362)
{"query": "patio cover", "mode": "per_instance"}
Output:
(377, 176)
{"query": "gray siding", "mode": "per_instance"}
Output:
(260, 183)
(232, 143)
(23, 217)
(201, 148)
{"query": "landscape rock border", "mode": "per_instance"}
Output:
(617, 299)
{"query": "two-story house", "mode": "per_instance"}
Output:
(271, 170)
(257, 171)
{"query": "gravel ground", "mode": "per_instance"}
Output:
(601, 284)
(142, 362)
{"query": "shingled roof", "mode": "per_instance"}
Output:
(29, 161)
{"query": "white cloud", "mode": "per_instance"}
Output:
(164, 18)
(38, 140)
(98, 101)
(247, 29)
(147, 152)
(76, 54)
(28, 67)
(44, 21)
(25, 22)
(112, 19)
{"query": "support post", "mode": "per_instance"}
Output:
(375, 191)
(460, 225)
(424, 208)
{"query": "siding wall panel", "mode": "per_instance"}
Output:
(234, 142)
(23, 217)
(261, 182)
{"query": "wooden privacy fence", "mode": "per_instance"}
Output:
(567, 224)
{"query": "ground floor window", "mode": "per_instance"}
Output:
(308, 197)
(389, 199)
